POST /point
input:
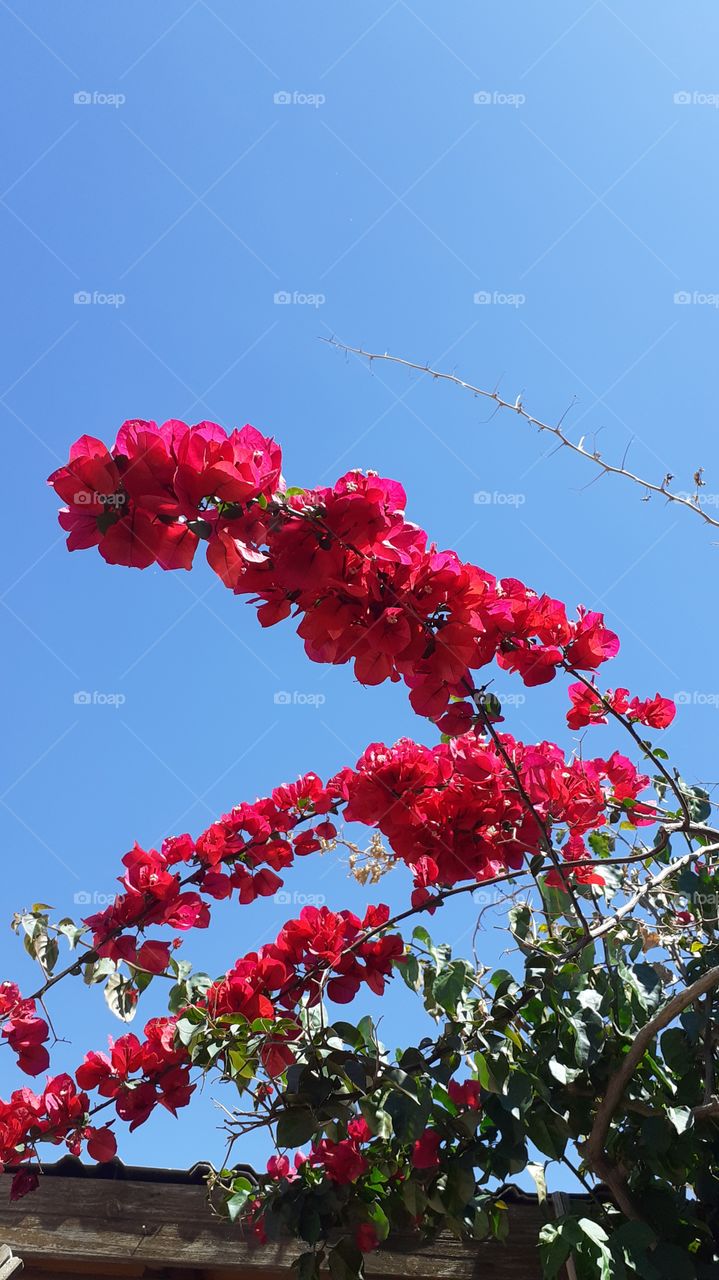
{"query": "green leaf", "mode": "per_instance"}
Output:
(296, 1127)
(556, 1242)
(449, 985)
(582, 1045)
(408, 1117)
(307, 1265)
(414, 1197)
(676, 1263)
(310, 1224)
(368, 1032)
(98, 970)
(562, 1071)
(348, 1033)
(237, 1201)
(118, 997)
(593, 1230)
(346, 1262)
(71, 931)
(379, 1219)
(410, 971)
(537, 1173)
(491, 1072)
(548, 1132)
(680, 1117)
(377, 1118)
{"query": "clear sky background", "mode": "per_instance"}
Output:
(183, 189)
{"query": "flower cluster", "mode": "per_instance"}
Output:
(343, 1161)
(141, 504)
(140, 1075)
(136, 1075)
(454, 811)
(367, 585)
(240, 853)
(59, 1114)
(321, 952)
(355, 1151)
(24, 1030)
(589, 707)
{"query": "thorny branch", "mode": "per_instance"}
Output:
(555, 429)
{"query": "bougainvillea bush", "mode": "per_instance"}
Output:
(593, 1053)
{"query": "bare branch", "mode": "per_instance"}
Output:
(556, 429)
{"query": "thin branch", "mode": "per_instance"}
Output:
(556, 429)
(607, 925)
(527, 802)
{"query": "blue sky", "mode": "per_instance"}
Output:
(150, 167)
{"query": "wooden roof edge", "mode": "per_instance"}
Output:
(116, 1170)
(78, 1218)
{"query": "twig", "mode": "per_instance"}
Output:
(516, 406)
(607, 925)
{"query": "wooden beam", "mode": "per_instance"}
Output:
(88, 1220)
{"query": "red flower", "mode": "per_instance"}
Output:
(425, 1151)
(24, 1031)
(592, 643)
(233, 469)
(656, 712)
(342, 1161)
(586, 707)
(90, 479)
(64, 1106)
(365, 583)
(135, 1105)
(465, 1095)
(23, 1182)
(278, 1167)
(96, 1072)
(101, 1144)
(153, 956)
(366, 1237)
(359, 1130)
